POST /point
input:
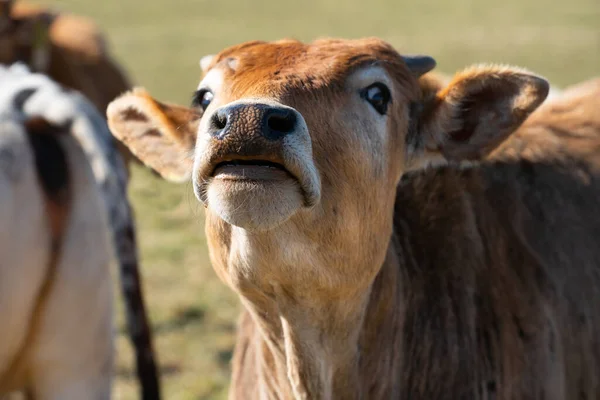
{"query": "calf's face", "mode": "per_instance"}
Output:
(289, 127)
(318, 135)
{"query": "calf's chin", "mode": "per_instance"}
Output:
(254, 206)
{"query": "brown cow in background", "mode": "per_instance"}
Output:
(70, 49)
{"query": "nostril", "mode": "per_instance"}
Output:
(219, 119)
(283, 121)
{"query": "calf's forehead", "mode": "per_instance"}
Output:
(287, 67)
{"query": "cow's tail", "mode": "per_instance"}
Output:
(111, 174)
(137, 320)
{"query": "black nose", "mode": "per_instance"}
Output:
(270, 122)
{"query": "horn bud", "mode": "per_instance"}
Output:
(419, 65)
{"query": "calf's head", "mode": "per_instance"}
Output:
(313, 138)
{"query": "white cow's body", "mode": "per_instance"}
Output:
(89, 128)
(58, 345)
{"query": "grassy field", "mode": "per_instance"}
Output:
(160, 43)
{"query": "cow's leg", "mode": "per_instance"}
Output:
(72, 355)
(73, 388)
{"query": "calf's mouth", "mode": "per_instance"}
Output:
(251, 170)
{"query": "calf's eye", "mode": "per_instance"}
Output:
(378, 95)
(202, 98)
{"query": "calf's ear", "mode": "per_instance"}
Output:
(161, 135)
(478, 110)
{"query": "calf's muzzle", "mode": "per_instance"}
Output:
(270, 122)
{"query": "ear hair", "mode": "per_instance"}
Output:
(476, 111)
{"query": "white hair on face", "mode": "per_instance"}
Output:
(375, 142)
(205, 61)
(213, 80)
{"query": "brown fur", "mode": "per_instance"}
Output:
(565, 125)
(465, 282)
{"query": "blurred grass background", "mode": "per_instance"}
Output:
(160, 42)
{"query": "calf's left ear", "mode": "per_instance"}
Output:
(161, 135)
(478, 110)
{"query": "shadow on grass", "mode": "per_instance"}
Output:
(182, 318)
(224, 358)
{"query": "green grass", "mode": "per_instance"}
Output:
(160, 43)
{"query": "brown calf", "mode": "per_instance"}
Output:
(454, 282)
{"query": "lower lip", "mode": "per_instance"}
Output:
(250, 173)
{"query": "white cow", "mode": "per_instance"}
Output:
(39, 95)
(56, 340)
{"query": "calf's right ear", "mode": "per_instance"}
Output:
(161, 135)
(479, 109)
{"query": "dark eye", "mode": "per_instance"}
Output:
(378, 95)
(202, 98)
